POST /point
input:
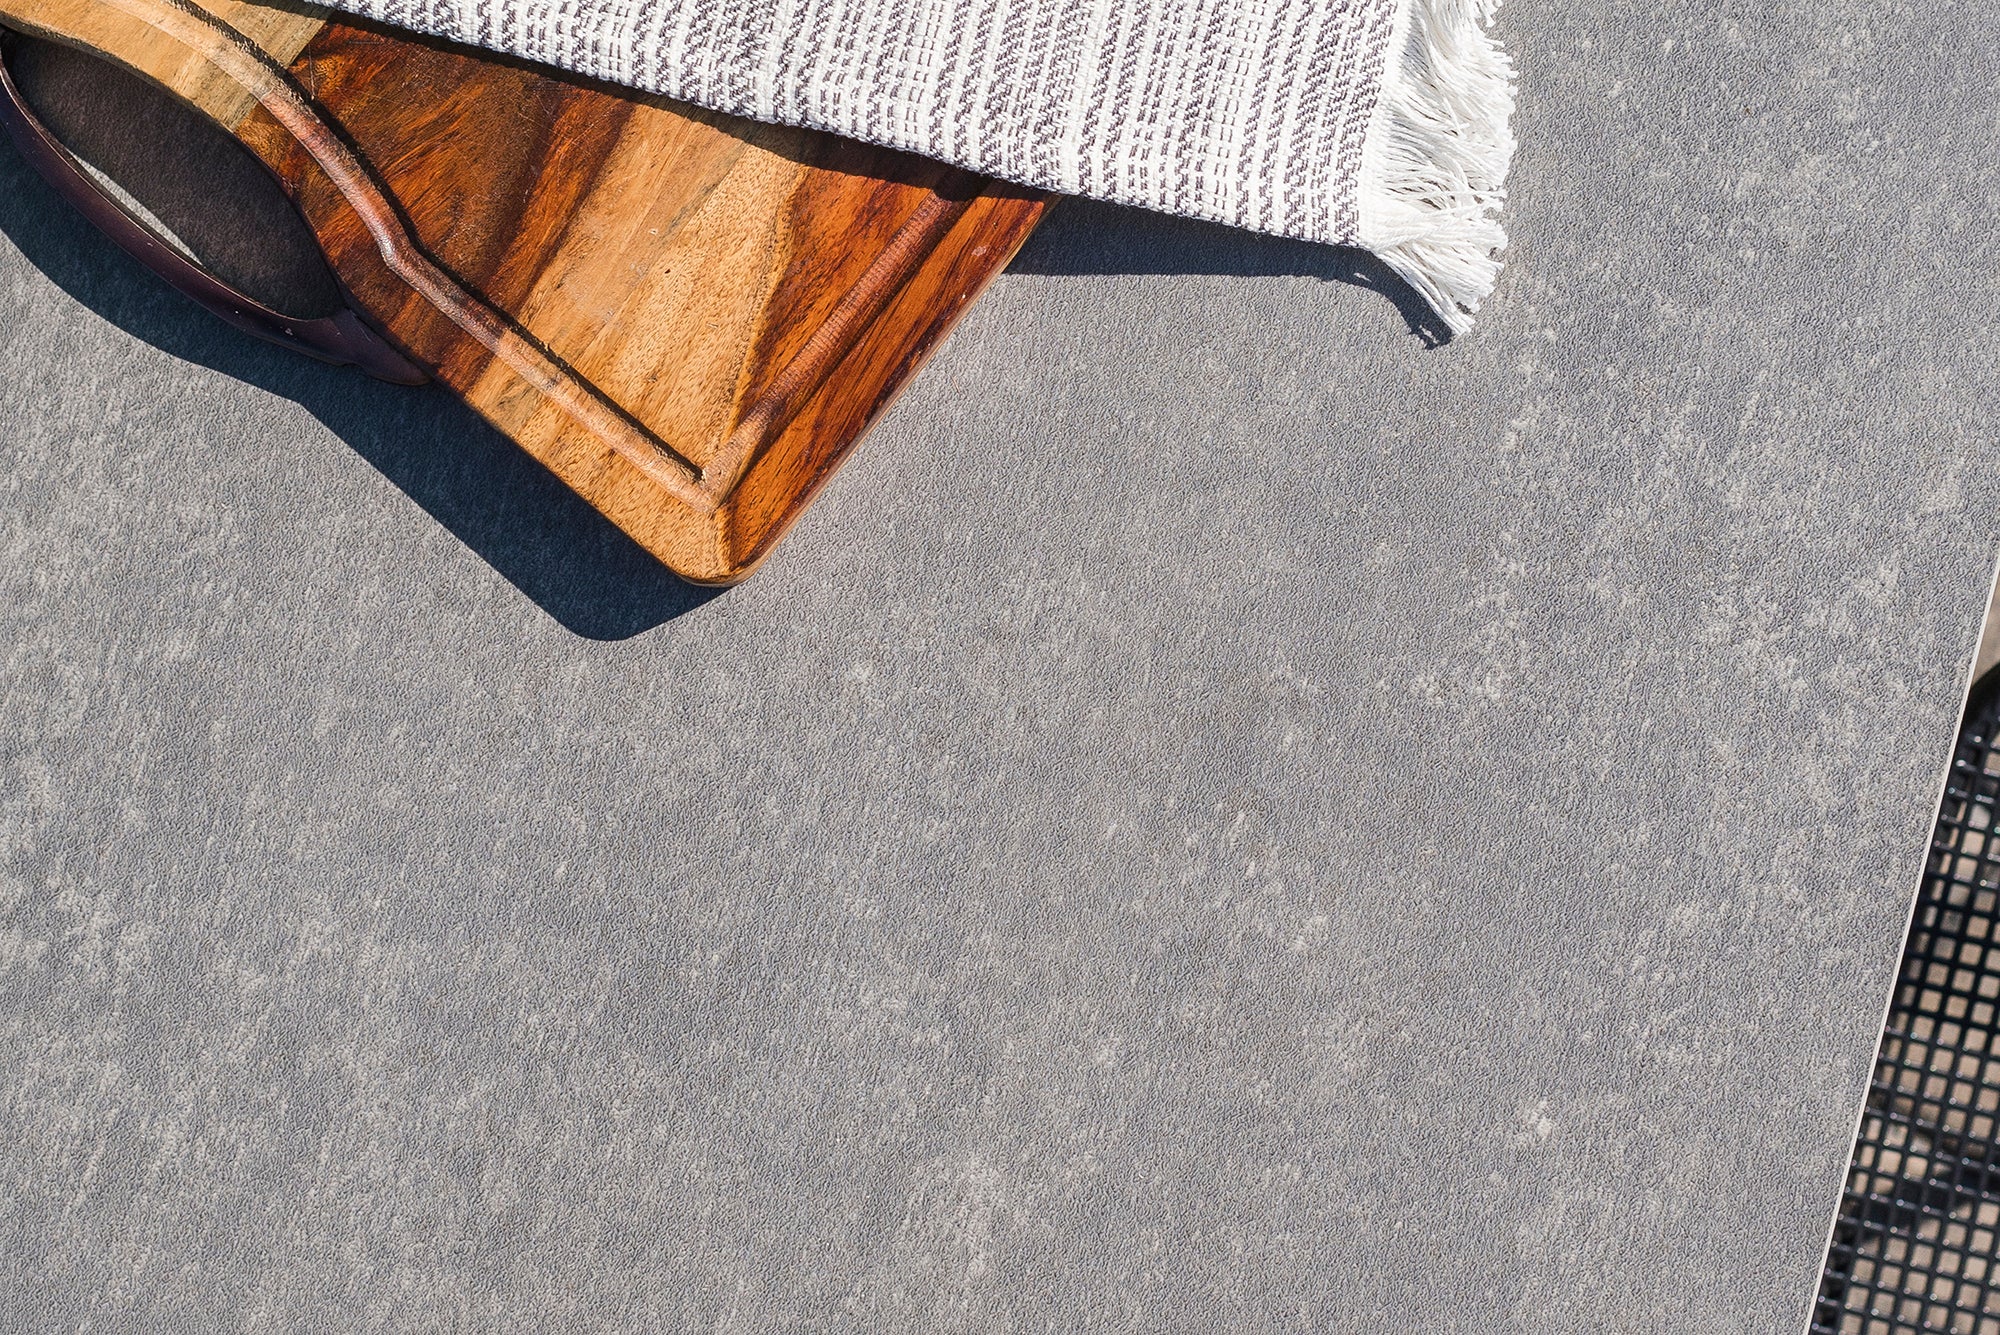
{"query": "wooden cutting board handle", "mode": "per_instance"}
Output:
(688, 318)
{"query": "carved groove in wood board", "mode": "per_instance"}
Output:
(251, 68)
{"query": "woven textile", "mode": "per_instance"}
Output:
(1374, 122)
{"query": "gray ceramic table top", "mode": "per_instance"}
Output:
(1225, 817)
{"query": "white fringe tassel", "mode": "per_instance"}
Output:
(1434, 164)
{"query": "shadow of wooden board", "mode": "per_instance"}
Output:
(690, 319)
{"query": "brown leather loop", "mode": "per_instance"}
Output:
(341, 338)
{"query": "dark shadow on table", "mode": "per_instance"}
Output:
(493, 496)
(1085, 237)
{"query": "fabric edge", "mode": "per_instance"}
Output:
(1434, 164)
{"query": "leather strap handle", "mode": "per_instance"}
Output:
(341, 338)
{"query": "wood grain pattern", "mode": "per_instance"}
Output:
(690, 319)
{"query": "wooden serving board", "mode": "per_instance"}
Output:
(689, 318)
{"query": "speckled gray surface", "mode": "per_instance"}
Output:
(1225, 817)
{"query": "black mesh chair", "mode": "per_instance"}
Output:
(1917, 1243)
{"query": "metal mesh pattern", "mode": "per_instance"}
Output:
(1917, 1244)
